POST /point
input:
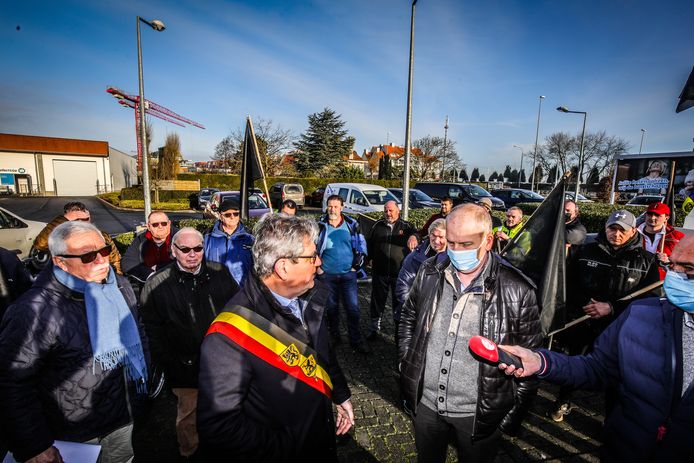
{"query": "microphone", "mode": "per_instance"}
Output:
(483, 348)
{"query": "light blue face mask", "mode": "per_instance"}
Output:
(679, 290)
(466, 260)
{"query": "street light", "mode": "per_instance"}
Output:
(408, 124)
(643, 132)
(157, 26)
(564, 109)
(521, 166)
(537, 134)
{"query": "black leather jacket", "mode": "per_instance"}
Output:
(510, 316)
(177, 308)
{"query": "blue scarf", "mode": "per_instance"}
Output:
(112, 329)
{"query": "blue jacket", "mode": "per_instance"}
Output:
(233, 250)
(408, 271)
(640, 354)
(358, 242)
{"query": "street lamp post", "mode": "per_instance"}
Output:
(520, 172)
(537, 135)
(445, 140)
(643, 132)
(408, 124)
(157, 26)
(564, 109)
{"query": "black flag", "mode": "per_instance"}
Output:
(687, 95)
(251, 168)
(539, 251)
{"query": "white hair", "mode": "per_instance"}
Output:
(57, 240)
(280, 236)
(438, 224)
(184, 231)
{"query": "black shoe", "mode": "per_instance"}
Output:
(361, 348)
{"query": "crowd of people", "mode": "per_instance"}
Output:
(244, 324)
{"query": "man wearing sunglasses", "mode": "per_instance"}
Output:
(178, 303)
(268, 375)
(659, 237)
(151, 249)
(648, 355)
(74, 210)
(73, 360)
(229, 243)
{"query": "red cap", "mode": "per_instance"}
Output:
(658, 208)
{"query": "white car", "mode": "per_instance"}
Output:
(359, 197)
(17, 234)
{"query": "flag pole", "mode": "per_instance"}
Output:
(260, 162)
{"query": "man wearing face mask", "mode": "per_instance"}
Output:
(471, 292)
(648, 354)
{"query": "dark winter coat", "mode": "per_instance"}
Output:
(233, 250)
(50, 388)
(388, 246)
(133, 260)
(177, 308)
(640, 355)
(605, 274)
(408, 271)
(14, 279)
(251, 411)
(510, 316)
(575, 232)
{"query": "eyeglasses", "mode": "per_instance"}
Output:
(231, 214)
(186, 249)
(159, 224)
(311, 259)
(687, 268)
(89, 257)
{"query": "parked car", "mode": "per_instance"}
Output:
(513, 196)
(359, 197)
(459, 193)
(581, 198)
(257, 206)
(204, 197)
(316, 197)
(280, 192)
(18, 234)
(418, 199)
(645, 200)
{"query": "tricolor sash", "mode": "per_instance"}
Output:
(267, 341)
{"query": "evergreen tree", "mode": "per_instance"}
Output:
(514, 176)
(475, 175)
(169, 162)
(482, 179)
(324, 144)
(522, 176)
(385, 168)
(463, 176)
(593, 176)
(507, 173)
(494, 177)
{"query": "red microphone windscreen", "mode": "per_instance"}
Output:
(484, 348)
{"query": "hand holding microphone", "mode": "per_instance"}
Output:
(514, 360)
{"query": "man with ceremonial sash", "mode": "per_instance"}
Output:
(268, 376)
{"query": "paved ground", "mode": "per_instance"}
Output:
(383, 432)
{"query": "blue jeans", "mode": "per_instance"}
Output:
(343, 286)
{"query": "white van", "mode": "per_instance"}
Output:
(359, 197)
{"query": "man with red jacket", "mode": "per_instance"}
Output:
(659, 237)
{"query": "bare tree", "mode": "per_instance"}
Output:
(169, 161)
(226, 151)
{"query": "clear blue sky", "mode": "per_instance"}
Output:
(483, 64)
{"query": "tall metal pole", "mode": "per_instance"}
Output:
(537, 135)
(580, 157)
(445, 140)
(408, 125)
(643, 132)
(143, 136)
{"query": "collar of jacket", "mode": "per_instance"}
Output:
(181, 276)
(347, 219)
(218, 232)
(497, 262)
(254, 288)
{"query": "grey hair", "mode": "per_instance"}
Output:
(439, 224)
(57, 240)
(476, 212)
(278, 236)
(515, 208)
(185, 230)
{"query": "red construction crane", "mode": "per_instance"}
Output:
(133, 101)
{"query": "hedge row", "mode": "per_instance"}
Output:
(135, 192)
